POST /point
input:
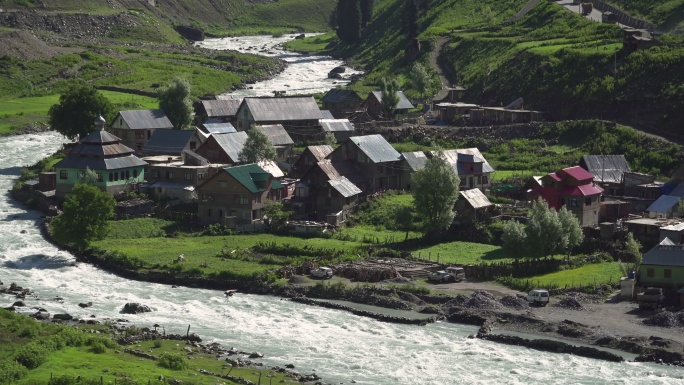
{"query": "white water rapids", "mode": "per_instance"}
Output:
(339, 346)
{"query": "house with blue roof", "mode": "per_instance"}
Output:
(115, 164)
(663, 266)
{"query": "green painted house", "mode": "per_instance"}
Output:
(663, 266)
(114, 164)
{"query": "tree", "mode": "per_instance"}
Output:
(257, 148)
(276, 216)
(390, 96)
(175, 100)
(572, 230)
(435, 190)
(85, 215)
(421, 80)
(77, 109)
(348, 18)
(514, 238)
(366, 12)
(411, 15)
(403, 220)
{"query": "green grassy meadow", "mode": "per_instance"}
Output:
(587, 275)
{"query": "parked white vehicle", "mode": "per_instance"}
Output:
(538, 297)
(322, 272)
(450, 274)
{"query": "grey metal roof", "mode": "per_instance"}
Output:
(276, 134)
(232, 143)
(345, 187)
(218, 128)
(321, 151)
(456, 157)
(144, 119)
(344, 168)
(100, 150)
(337, 95)
(416, 160)
(165, 141)
(327, 114)
(268, 109)
(336, 125)
(100, 137)
(221, 107)
(665, 254)
(605, 168)
(663, 204)
(194, 158)
(476, 198)
(99, 163)
(376, 148)
(170, 185)
(403, 100)
(272, 168)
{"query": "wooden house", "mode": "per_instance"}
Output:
(501, 115)
(115, 164)
(376, 160)
(342, 129)
(135, 127)
(472, 168)
(374, 108)
(308, 158)
(663, 266)
(341, 103)
(297, 114)
(411, 162)
(223, 148)
(471, 206)
(574, 188)
(235, 196)
(280, 140)
(217, 111)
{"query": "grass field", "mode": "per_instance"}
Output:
(313, 44)
(463, 253)
(587, 275)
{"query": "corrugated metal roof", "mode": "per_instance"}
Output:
(663, 204)
(221, 107)
(321, 151)
(476, 198)
(376, 148)
(336, 125)
(416, 160)
(276, 134)
(343, 168)
(194, 158)
(327, 114)
(144, 119)
(678, 191)
(232, 143)
(456, 157)
(99, 163)
(219, 128)
(272, 168)
(345, 187)
(100, 137)
(606, 168)
(100, 150)
(403, 103)
(665, 254)
(170, 185)
(165, 141)
(249, 175)
(577, 173)
(337, 95)
(283, 109)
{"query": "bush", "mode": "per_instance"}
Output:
(11, 371)
(32, 355)
(98, 347)
(173, 361)
(157, 344)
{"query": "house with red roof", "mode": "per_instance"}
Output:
(574, 188)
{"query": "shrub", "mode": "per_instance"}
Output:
(11, 371)
(32, 355)
(173, 361)
(157, 344)
(98, 347)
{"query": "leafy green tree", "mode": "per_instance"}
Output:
(411, 15)
(85, 216)
(366, 12)
(435, 190)
(421, 80)
(632, 246)
(403, 219)
(175, 100)
(390, 96)
(77, 109)
(572, 230)
(257, 148)
(514, 238)
(330, 139)
(275, 214)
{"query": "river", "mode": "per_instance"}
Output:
(341, 347)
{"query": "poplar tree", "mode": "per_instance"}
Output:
(176, 103)
(366, 12)
(390, 96)
(349, 20)
(435, 190)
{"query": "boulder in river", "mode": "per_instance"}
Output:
(135, 308)
(19, 304)
(85, 304)
(63, 317)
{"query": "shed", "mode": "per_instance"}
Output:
(663, 207)
(471, 206)
(343, 129)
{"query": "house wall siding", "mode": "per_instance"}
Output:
(658, 279)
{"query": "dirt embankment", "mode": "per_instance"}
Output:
(25, 46)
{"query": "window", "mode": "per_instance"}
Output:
(223, 184)
(587, 201)
(111, 177)
(667, 273)
(572, 202)
(99, 177)
(155, 174)
(81, 174)
(135, 173)
(128, 174)
(116, 176)
(650, 272)
(63, 174)
(485, 179)
(380, 169)
(257, 198)
(140, 134)
(244, 200)
(169, 175)
(188, 176)
(193, 145)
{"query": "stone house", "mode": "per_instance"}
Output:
(135, 127)
(114, 163)
(235, 196)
